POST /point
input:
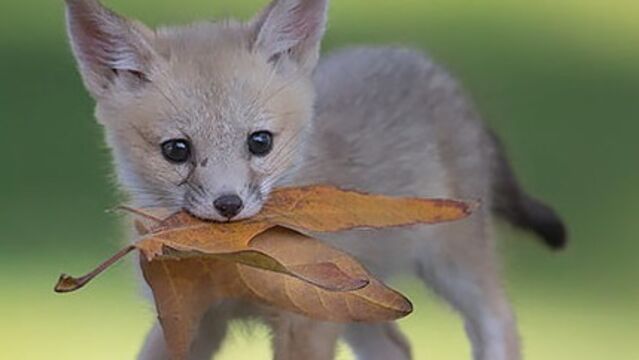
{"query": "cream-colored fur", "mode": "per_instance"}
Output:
(383, 120)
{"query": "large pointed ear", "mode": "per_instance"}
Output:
(109, 49)
(291, 30)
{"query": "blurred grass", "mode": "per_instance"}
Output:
(108, 322)
(559, 81)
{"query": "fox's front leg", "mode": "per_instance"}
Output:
(297, 337)
(383, 341)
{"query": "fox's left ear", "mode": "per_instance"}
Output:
(291, 30)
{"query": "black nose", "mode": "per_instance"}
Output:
(228, 205)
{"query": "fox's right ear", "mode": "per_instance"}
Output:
(110, 50)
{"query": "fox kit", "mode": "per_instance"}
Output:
(211, 117)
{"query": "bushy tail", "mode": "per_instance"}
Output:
(513, 204)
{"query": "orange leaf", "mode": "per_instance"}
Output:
(183, 235)
(190, 263)
(184, 288)
(327, 208)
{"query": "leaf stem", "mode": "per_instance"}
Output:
(67, 283)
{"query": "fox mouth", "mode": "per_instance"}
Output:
(210, 214)
(208, 218)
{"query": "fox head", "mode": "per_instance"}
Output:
(206, 117)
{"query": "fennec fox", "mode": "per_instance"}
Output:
(210, 117)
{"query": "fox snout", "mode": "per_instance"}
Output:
(225, 205)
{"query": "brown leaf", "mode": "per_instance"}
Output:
(204, 237)
(327, 208)
(374, 302)
(184, 288)
(190, 263)
(311, 260)
(183, 235)
(312, 208)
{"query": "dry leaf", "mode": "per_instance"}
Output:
(327, 209)
(313, 208)
(184, 288)
(183, 235)
(190, 263)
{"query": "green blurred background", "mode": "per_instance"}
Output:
(558, 80)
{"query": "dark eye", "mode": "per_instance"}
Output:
(260, 143)
(176, 150)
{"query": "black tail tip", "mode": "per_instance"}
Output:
(553, 234)
(543, 221)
